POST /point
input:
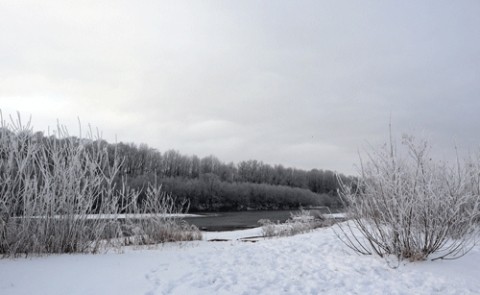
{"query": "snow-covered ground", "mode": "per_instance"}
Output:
(312, 263)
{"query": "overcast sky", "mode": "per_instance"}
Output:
(301, 83)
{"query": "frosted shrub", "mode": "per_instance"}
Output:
(268, 227)
(299, 222)
(407, 205)
(156, 220)
(47, 187)
(302, 216)
(55, 190)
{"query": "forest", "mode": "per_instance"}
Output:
(212, 185)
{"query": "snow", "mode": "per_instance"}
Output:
(233, 235)
(312, 263)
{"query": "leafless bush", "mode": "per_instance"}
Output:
(408, 205)
(51, 186)
(46, 186)
(269, 228)
(299, 222)
(162, 222)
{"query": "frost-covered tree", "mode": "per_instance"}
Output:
(59, 194)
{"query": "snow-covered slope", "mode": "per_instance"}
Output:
(313, 263)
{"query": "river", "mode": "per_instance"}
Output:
(224, 221)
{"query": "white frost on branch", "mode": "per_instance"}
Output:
(407, 205)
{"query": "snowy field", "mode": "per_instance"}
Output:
(312, 263)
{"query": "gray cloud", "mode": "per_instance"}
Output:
(303, 83)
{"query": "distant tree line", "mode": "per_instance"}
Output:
(212, 185)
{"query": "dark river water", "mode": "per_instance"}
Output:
(223, 221)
